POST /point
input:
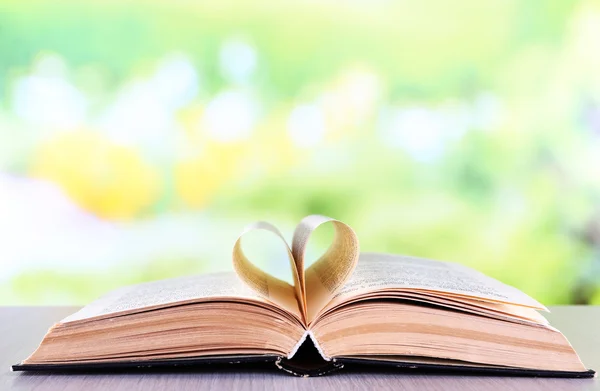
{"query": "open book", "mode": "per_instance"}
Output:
(344, 310)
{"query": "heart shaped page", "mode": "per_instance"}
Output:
(313, 287)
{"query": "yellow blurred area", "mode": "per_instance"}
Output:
(349, 101)
(198, 177)
(109, 180)
(209, 164)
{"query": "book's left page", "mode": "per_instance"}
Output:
(206, 316)
(164, 293)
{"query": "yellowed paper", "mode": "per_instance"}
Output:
(162, 293)
(279, 292)
(385, 272)
(322, 279)
(313, 288)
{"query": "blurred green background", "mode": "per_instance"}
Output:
(137, 139)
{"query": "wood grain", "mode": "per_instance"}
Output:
(22, 328)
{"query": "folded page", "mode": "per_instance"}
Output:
(289, 297)
(327, 275)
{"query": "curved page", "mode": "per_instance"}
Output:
(279, 292)
(329, 273)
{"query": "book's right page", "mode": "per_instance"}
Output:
(384, 272)
(410, 313)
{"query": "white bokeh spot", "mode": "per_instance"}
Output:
(237, 60)
(230, 116)
(306, 125)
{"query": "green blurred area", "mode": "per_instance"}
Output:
(465, 131)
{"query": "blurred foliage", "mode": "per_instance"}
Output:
(467, 131)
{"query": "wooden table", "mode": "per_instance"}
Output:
(22, 328)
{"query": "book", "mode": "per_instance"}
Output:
(345, 310)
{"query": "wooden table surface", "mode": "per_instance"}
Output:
(22, 328)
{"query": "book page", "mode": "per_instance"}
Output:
(280, 292)
(323, 278)
(376, 272)
(164, 292)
